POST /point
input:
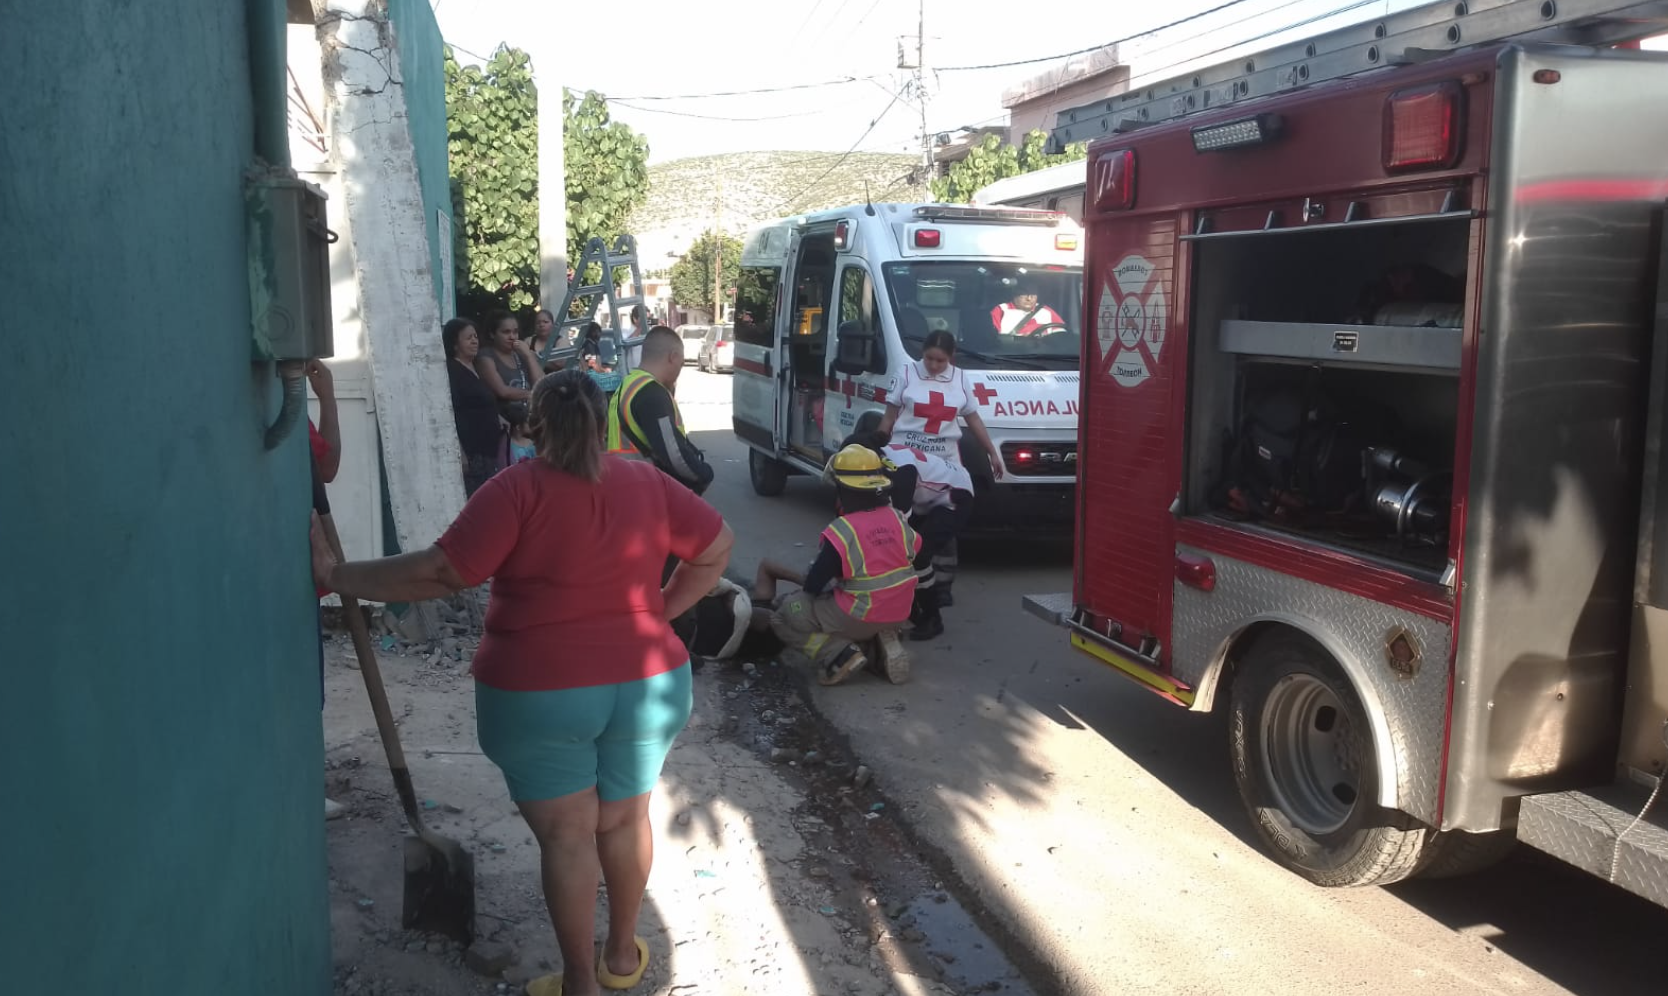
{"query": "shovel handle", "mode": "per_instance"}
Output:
(378, 695)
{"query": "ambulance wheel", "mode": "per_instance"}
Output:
(770, 477)
(1304, 761)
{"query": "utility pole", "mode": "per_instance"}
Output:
(718, 255)
(553, 200)
(921, 95)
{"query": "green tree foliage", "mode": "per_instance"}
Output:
(692, 276)
(992, 160)
(607, 168)
(492, 123)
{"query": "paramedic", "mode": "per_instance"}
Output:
(861, 585)
(643, 418)
(1024, 315)
(928, 400)
(580, 685)
(938, 498)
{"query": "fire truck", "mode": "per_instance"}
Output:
(1372, 433)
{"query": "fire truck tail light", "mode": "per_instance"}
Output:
(1236, 134)
(1196, 571)
(1422, 128)
(927, 238)
(1065, 243)
(1114, 181)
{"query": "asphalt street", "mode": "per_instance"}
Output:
(1099, 826)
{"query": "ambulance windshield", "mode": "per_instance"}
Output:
(1000, 313)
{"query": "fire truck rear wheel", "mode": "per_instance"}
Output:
(1453, 853)
(1304, 761)
(770, 477)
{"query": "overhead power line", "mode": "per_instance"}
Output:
(790, 202)
(745, 93)
(1085, 51)
(621, 102)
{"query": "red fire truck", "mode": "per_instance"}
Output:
(1371, 436)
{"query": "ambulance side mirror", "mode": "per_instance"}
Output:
(856, 349)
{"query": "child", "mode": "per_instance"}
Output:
(520, 445)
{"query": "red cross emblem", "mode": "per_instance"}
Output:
(983, 394)
(935, 411)
(848, 388)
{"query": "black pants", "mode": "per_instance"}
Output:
(938, 528)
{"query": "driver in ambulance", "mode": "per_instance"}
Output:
(1024, 315)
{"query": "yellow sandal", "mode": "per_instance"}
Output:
(611, 981)
(545, 985)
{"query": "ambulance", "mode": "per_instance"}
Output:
(1377, 371)
(829, 307)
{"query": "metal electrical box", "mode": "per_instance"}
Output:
(289, 269)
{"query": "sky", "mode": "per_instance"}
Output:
(683, 49)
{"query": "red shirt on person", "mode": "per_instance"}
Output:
(575, 570)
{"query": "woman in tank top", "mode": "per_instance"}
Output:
(507, 367)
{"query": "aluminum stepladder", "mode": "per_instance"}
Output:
(1412, 35)
(564, 344)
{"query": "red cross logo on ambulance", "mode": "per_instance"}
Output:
(1133, 321)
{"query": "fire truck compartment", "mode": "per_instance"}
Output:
(1353, 337)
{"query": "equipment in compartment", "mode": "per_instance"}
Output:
(1327, 458)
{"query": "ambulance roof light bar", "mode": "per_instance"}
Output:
(994, 215)
(1435, 28)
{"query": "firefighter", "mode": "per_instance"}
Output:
(643, 419)
(861, 587)
(938, 498)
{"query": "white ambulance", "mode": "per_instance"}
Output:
(830, 306)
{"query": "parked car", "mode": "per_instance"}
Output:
(694, 338)
(718, 350)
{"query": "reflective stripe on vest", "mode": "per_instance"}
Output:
(622, 438)
(877, 549)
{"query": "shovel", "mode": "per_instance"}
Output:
(439, 873)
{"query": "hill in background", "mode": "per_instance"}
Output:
(685, 194)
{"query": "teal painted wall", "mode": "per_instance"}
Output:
(421, 55)
(161, 769)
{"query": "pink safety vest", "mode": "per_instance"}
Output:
(877, 549)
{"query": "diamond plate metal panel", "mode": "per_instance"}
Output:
(1406, 713)
(1053, 608)
(1582, 827)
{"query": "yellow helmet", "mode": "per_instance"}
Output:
(858, 468)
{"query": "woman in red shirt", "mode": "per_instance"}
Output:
(580, 684)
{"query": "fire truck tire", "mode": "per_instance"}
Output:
(769, 476)
(1304, 762)
(1453, 853)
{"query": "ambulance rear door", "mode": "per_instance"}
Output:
(760, 324)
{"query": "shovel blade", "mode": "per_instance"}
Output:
(439, 888)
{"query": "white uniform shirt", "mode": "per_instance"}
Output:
(929, 409)
(935, 477)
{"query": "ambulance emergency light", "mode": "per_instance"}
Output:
(1236, 134)
(1422, 127)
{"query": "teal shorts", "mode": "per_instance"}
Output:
(611, 737)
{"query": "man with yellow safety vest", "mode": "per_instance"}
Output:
(643, 418)
(861, 586)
